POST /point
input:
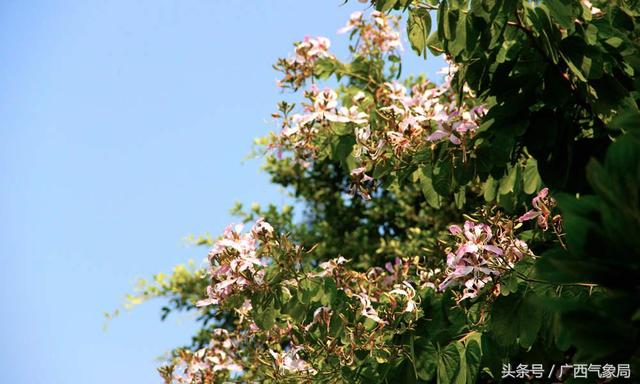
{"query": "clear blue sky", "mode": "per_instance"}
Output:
(123, 125)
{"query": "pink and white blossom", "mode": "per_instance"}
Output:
(542, 204)
(480, 256)
(235, 265)
(290, 361)
(367, 309)
(406, 289)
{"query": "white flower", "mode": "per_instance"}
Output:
(409, 292)
(367, 309)
(329, 266)
(291, 362)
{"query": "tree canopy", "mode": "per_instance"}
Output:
(449, 227)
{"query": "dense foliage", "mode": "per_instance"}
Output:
(450, 227)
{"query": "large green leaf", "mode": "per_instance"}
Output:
(516, 318)
(265, 318)
(530, 177)
(490, 189)
(442, 178)
(473, 356)
(426, 185)
(426, 358)
(561, 11)
(418, 29)
(448, 364)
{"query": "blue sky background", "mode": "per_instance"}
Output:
(123, 125)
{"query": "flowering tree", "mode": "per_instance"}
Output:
(450, 226)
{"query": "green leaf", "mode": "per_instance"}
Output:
(531, 177)
(418, 29)
(561, 11)
(341, 129)
(265, 319)
(461, 42)
(382, 169)
(448, 364)
(591, 34)
(330, 291)
(426, 185)
(516, 318)
(508, 183)
(385, 5)
(460, 198)
(443, 178)
(336, 327)
(435, 44)
(473, 356)
(426, 358)
(324, 67)
(539, 17)
(628, 120)
(490, 189)
(508, 284)
(295, 309)
(341, 148)
(464, 171)
(574, 68)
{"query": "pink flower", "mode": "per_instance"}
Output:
(444, 131)
(319, 47)
(289, 361)
(473, 287)
(476, 259)
(363, 134)
(375, 36)
(411, 122)
(234, 262)
(261, 228)
(358, 97)
(326, 100)
(397, 91)
(542, 204)
(359, 174)
(354, 20)
(455, 229)
(398, 141)
(312, 48)
(359, 178)
(349, 115)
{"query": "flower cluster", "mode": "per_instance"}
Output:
(377, 303)
(304, 132)
(235, 265)
(389, 120)
(299, 68)
(480, 255)
(207, 365)
(426, 113)
(386, 287)
(376, 36)
(407, 121)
